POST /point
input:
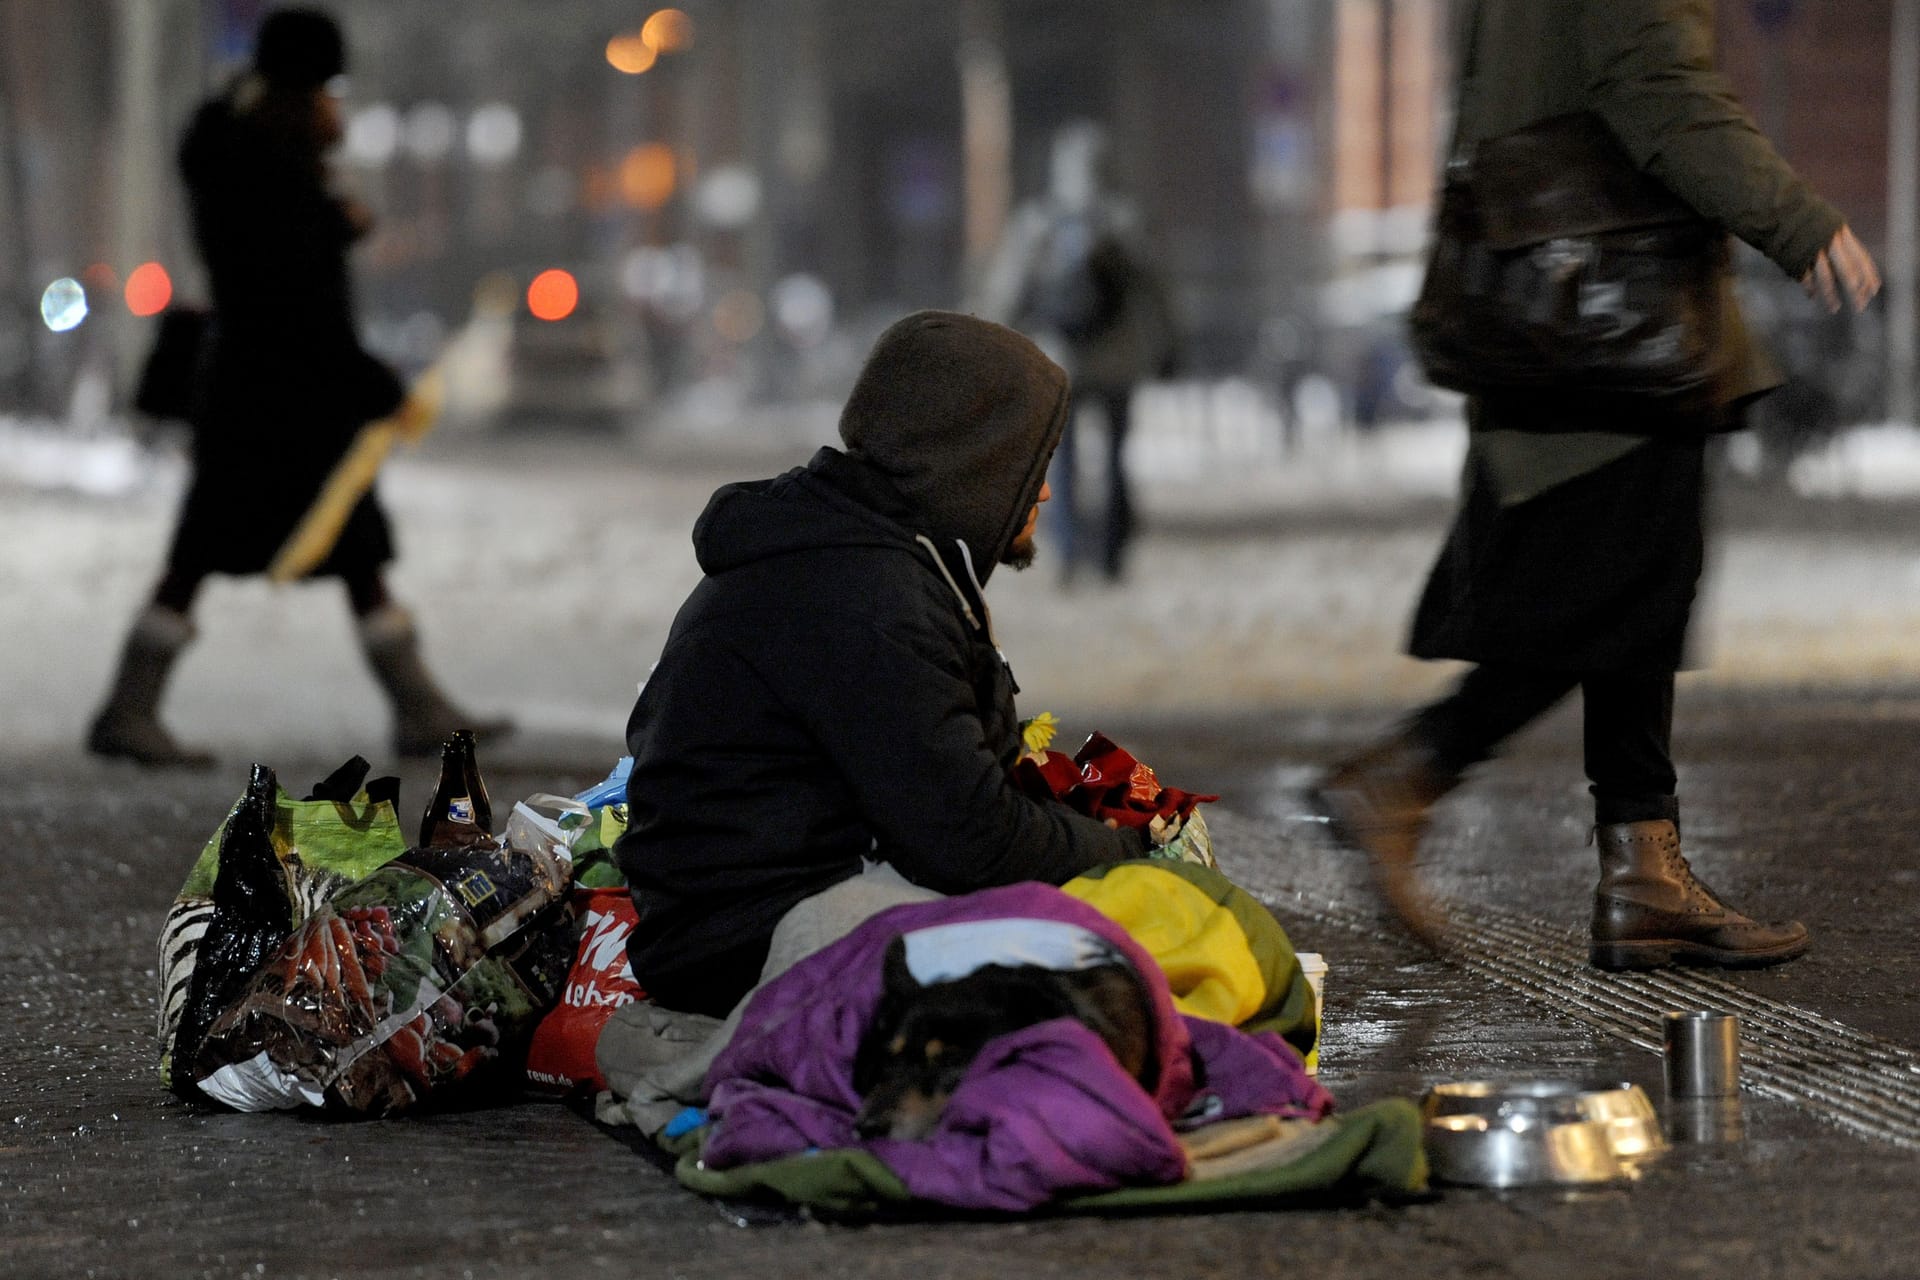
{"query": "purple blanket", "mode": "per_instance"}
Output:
(1043, 1112)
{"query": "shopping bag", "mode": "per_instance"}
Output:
(560, 1059)
(171, 371)
(287, 851)
(421, 983)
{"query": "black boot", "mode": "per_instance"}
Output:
(128, 725)
(1378, 802)
(422, 715)
(1651, 911)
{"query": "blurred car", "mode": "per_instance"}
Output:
(585, 369)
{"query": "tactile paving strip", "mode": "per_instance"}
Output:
(1856, 1081)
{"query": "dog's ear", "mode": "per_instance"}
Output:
(897, 991)
(896, 978)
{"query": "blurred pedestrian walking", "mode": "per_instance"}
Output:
(280, 390)
(1577, 550)
(1073, 273)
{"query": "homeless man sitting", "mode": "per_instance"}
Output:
(831, 695)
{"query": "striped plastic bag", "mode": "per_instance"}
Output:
(345, 829)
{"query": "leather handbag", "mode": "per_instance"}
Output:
(171, 372)
(1558, 266)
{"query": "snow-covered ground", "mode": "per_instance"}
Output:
(545, 573)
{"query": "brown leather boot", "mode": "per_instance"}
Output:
(1377, 802)
(1650, 910)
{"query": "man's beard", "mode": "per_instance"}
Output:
(1020, 554)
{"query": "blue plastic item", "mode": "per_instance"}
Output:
(685, 1122)
(613, 790)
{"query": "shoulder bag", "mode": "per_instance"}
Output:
(1558, 265)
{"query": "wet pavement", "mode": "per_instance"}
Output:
(547, 598)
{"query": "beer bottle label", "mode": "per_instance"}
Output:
(460, 809)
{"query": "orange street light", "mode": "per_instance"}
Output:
(553, 295)
(648, 175)
(668, 31)
(630, 54)
(149, 289)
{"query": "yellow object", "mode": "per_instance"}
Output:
(353, 475)
(1209, 963)
(1036, 735)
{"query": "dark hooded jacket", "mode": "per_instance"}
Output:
(832, 690)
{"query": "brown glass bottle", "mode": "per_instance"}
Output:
(459, 811)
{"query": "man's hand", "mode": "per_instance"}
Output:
(1161, 832)
(1843, 271)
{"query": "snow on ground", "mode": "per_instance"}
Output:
(1880, 460)
(545, 573)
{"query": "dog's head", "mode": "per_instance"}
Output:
(924, 1037)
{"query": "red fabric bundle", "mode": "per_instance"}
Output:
(1103, 780)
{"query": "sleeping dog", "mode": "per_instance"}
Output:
(952, 988)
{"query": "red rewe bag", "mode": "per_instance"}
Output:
(560, 1059)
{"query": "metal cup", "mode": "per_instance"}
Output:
(1705, 1121)
(1702, 1050)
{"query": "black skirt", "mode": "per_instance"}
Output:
(1597, 574)
(237, 524)
(248, 495)
(272, 421)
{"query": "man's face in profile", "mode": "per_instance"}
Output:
(1022, 549)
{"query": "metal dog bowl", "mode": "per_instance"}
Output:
(1632, 1124)
(1537, 1133)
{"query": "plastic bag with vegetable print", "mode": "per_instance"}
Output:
(419, 984)
(272, 862)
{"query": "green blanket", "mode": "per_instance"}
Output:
(1371, 1152)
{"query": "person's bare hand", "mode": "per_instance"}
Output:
(1843, 273)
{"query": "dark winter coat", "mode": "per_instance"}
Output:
(284, 385)
(832, 692)
(1578, 545)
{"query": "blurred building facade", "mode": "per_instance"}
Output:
(751, 190)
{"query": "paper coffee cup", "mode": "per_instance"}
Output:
(1314, 967)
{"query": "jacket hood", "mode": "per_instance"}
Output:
(836, 500)
(962, 416)
(833, 501)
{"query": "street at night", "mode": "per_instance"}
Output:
(1096, 638)
(1800, 802)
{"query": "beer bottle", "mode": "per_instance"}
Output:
(459, 811)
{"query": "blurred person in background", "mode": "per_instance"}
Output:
(1071, 272)
(282, 387)
(1577, 550)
